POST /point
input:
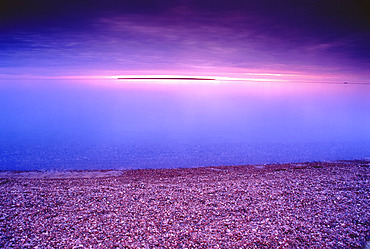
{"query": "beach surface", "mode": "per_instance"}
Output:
(302, 205)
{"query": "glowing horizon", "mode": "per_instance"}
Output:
(217, 78)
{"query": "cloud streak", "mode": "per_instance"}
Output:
(174, 35)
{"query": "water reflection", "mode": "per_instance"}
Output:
(50, 124)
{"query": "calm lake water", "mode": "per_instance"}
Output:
(104, 124)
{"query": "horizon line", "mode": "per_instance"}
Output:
(163, 78)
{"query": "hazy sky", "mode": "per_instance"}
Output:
(329, 39)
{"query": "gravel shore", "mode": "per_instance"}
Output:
(306, 205)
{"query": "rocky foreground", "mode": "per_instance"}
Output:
(309, 205)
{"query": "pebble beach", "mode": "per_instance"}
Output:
(301, 205)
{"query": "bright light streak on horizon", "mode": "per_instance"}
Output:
(207, 78)
(187, 79)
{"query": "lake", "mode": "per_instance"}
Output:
(109, 124)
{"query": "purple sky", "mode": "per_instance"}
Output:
(63, 38)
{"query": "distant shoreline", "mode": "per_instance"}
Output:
(96, 173)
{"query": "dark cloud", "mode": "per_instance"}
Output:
(70, 14)
(232, 31)
(337, 17)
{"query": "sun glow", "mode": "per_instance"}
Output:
(227, 78)
(214, 76)
(180, 79)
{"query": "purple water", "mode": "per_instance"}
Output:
(50, 124)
